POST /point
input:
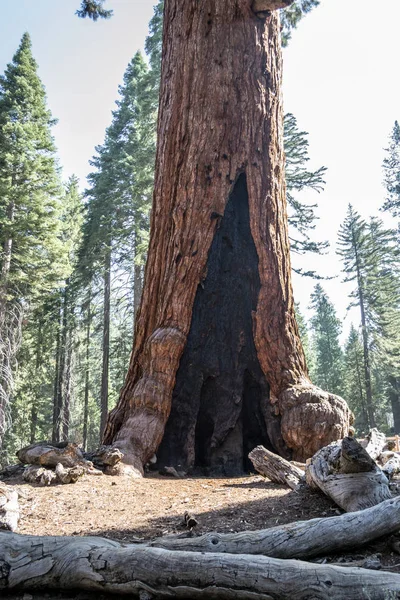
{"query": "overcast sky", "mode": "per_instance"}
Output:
(340, 81)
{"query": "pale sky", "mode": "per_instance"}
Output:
(340, 81)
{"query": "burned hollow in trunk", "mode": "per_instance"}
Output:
(220, 405)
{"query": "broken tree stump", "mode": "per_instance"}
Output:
(91, 563)
(345, 472)
(9, 508)
(105, 457)
(276, 468)
(302, 539)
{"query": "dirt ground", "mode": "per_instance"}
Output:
(126, 509)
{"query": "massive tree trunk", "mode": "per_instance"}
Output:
(217, 352)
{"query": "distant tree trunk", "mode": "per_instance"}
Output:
(137, 291)
(6, 348)
(364, 330)
(394, 395)
(87, 372)
(56, 406)
(362, 398)
(67, 392)
(106, 341)
(34, 410)
(217, 365)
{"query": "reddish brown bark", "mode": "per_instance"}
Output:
(220, 117)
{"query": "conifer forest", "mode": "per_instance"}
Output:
(149, 325)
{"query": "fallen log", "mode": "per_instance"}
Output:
(11, 471)
(47, 454)
(345, 472)
(390, 462)
(302, 539)
(42, 476)
(376, 441)
(276, 468)
(9, 508)
(90, 563)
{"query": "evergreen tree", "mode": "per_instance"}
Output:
(355, 252)
(355, 381)
(301, 216)
(291, 16)
(117, 221)
(72, 220)
(328, 371)
(29, 204)
(369, 254)
(94, 9)
(391, 169)
(305, 340)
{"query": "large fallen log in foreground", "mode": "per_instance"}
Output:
(345, 472)
(302, 539)
(62, 563)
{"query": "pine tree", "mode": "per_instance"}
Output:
(305, 340)
(369, 252)
(355, 252)
(29, 204)
(301, 216)
(72, 219)
(391, 169)
(326, 327)
(117, 221)
(291, 16)
(355, 381)
(93, 9)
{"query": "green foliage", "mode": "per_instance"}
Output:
(355, 392)
(328, 370)
(94, 9)
(301, 215)
(391, 169)
(291, 16)
(305, 340)
(29, 181)
(370, 259)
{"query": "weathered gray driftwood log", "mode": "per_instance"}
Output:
(376, 441)
(302, 539)
(30, 562)
(9, 508)
(345, 472)
(276, 468)
(390, 462)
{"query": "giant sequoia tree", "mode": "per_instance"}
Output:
(217, 365)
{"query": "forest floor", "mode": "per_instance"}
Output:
(126, 509)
